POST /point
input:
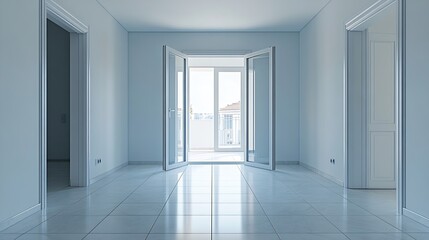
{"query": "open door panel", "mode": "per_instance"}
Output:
(175, 108)
(259, 150)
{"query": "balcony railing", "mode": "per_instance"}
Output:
(228, 130)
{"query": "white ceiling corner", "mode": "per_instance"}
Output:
(213, 15)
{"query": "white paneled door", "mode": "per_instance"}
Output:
(381, 111)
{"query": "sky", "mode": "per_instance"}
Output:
(201, 84)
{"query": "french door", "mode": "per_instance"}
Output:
(258, 107)
(175, 109)
(259, 94)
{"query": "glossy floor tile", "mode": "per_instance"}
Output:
(115, 237)
(125, 224)
(51, 237)
(216, 202)
(211, 156)
(8, 236)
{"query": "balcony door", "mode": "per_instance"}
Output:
(235, 99)
(175, 109)
(228, 109)
(259, 85)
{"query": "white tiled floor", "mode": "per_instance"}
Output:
(212, 156)
(217, 202)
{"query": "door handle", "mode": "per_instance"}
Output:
(170, 111)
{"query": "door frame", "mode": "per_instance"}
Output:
(166, 166)
(399, 101)
(79, 92)
(218, 70)
(272, 100)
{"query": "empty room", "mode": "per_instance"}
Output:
(220, 120)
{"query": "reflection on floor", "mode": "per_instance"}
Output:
(212, 156)
(58, 175)
(217, 202)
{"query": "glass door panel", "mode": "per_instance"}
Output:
(175, 124)
(229, 110)
(201, 102)
(260, 109)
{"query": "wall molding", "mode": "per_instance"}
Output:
(323, 174)
(13, 220)
(415, 216)
(368, 13)
(63, 18)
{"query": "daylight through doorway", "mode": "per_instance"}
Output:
(216, 110)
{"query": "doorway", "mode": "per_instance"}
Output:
(216, 109)
(72, 117)
(220, 104)
(58, 107)
(372, 96)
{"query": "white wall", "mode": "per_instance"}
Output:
(19, 97)
(58, 77)
(322, 58)
(19, 107)
(108, 85)
(417, 113)
(145, 85)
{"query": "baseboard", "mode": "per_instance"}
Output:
(13, 220)
(323, 174)
(144, 163)
(101, 176)
(287, 163)
(416, 217)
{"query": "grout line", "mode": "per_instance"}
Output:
(260, 205)
(327, 219)
(151, 175)
(348, 201)
(373, 214)
(166, 201)
(67, 206)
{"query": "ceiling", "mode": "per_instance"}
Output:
(213, 15)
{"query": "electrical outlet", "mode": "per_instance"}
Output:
(333, 161)
(97, 161)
